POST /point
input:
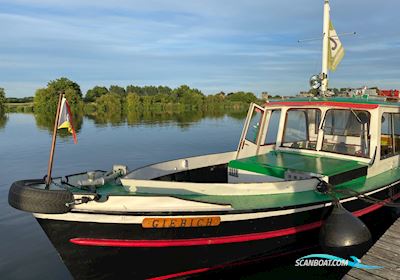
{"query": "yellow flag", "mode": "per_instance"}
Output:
(336, 50)
(65, 119)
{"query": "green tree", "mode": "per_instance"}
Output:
(214, 102)
(63, 84)
(147, 101)
(94, 93)
(132, 102)
(240, 96)
(188, 96)
(164, 90)
(19, 100)
(134, 89)
(117, 90)
(45, 100)
(110, 102)
(149, 90)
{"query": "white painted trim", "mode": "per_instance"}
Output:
(186, 188)
(247, 148)
(173, 166)
(244, 130)
(386, 164)
(147, 203)
(125, 219)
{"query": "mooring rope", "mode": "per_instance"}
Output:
(329, 189)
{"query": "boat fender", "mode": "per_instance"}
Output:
(31, 196)
(343, 234)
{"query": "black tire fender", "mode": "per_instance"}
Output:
(25, 195)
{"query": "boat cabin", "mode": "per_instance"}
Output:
(287, 146)
(302, 138)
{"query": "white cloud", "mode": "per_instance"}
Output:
(213, 45)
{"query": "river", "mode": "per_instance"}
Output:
(25, 251)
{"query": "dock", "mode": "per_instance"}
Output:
(385, 252)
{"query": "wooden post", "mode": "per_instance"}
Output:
(53, 143)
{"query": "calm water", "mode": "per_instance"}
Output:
(26, 253)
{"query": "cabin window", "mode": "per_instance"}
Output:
(301, 129)
(254, 125)
(396, 133)
(346, 132)
(273, 127)
(390, 135)
(386, 136)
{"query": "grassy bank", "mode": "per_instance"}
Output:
(19, 107)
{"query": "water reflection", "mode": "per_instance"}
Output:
(182, 119)
(237, 114)
(45, 121)
(105, 118)
(3, 120)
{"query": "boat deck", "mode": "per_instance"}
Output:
(278, 200)
(244, 202)
(386, 253)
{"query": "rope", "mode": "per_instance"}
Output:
(368, 198)
(328, 189)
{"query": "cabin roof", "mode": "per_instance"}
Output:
(275, 163)
(349, 102)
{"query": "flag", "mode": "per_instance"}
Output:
(65, 119)
(336, 50)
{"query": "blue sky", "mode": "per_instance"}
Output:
(212, 45)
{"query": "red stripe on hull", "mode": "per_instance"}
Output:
(324, 103)
(374, 207)
(195, 241)
(213, 240)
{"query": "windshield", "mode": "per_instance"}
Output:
(301, 129)
(346, 132)
(254, 125)
(273, 127)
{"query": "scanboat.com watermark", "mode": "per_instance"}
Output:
(330, 260)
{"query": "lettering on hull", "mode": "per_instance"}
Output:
(181, 222)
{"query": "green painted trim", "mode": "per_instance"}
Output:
(354, 99)
(257, 168)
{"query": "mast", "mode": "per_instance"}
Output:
(325, 49)
(53, 142)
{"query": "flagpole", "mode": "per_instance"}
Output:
(53, 142)
(325, 49)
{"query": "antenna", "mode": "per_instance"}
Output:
(320, 38)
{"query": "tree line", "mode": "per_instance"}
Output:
(132, 103)
(134, 98)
